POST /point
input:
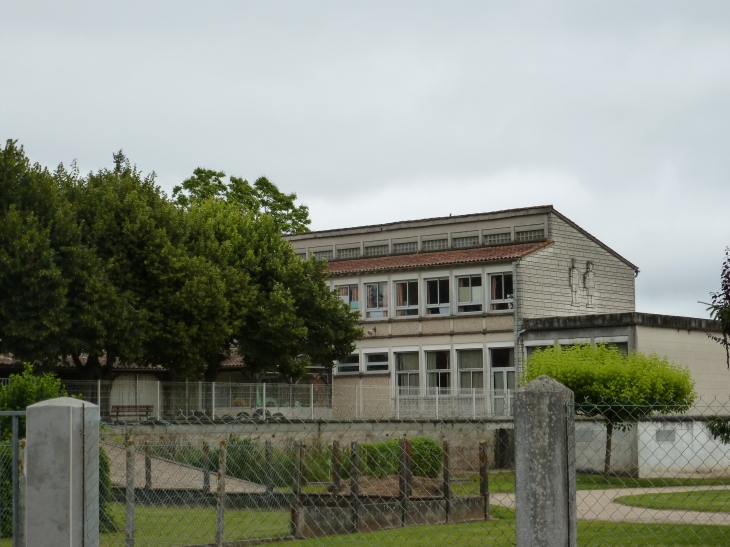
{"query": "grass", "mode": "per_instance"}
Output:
(713, 501)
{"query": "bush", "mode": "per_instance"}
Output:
(246, 460)
(427, 457)
(381, 459)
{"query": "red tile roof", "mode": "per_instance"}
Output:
(439, 258)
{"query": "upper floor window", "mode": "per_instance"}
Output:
(350, 295)
(376, 362)
(502, 291)
(349, 365)
(464, 242)
(376, 250)
(437, 296)
(377, 300)
(323, 255)
(496, 239)
(303, 256)
(435, 244)
(348, 253)
(411, 247)
(530, 235)
(406, 298)
(469, 292)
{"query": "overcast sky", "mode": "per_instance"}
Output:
(617, 113)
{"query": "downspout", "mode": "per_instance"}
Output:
(518, 333)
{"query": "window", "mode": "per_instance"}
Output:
(303, 256)
(348, 253)
(407, 373)
(349, 365)
(376, 362)
(350, 295)
(469, 293)
(437, 297)
(533, 349)
(376, 250)
(497, 239)
(405, 247)
(471, 369)
(530, 235)
(464, 242)
(503, 369)
(438, 370)
(377, 303)
(435, 244)
(406, 298)
(323, 255)
(502, 292)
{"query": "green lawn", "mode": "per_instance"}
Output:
(708, 500)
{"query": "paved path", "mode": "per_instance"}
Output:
(170, 475)
(599, 505)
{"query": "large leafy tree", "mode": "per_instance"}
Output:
(719, 307)
(618, 388)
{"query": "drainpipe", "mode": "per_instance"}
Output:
(518, 333)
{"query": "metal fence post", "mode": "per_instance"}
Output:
(16, 520)
(311, 399)
(221, 495)
(269, 466)
(212, 395)
(354, 486)
(206, 470)
(447, 482)
(147, 468)
(297, 480)
(336, 477)
(264, 401)
(129, 521)
(484, 477)
(404, 478)
(159, 409)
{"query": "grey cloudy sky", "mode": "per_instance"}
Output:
(617, 113)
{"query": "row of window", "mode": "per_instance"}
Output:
(470, 367)
(431, 245)
(469, 296)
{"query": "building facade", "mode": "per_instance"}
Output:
(452, 306)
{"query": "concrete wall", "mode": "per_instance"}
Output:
(705, 358)
(543, 280)
(590, 449)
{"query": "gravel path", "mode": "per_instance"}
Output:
(170, 475)
(599, 505)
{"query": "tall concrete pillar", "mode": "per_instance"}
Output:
(545, 465)
(62, 488)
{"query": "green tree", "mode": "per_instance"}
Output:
(719, 307)
(613, 386)
(263, 197)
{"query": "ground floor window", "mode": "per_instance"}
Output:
(504, 375)
(438, 368)
(376, 362)
(471, 369)
(407, 371)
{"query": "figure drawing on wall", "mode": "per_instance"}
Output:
(589, 279)
(574, 282)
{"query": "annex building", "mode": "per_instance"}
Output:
(451, 307)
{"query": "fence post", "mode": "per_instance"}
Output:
(129, 498)
(354, 486)
(201, 401)
(447, 481)
(473, 403)
(296, 490)
(159, 409)
(212, 396)
(147, 468)
(311, 399)
(544, 465)
(404, 478)
(336, 478)
(484, 477)
(221, 495)
(269, 466)
(206, 470)
(20, 532)
(62, 475)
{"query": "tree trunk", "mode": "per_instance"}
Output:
(607, 462)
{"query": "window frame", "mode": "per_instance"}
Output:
(350, 301)
(408, 373)
(472, 302)
(330, 255)
(440, 305)
(495, 304)
(345, 363)
(366, 362)
(383, 294)
(458, 242)
(471, 371)
(439, 373)
(409, 283)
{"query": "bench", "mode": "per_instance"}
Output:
(137, 411)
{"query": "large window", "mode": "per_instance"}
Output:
(406, 298)
(530, 235)
(350, 365)
(504, 375)
(471, 369)
(350, 295)
(376, 362)
(497, 239)
(407, 373)
(411, 247)
(438, 369)
(437, 299)
(376, 250)
(377, 300)
(502, 291)
(469, 293)
(348, 253)
(435, 244)
(465, 242)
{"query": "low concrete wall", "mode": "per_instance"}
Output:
(317, 516)
(590, 449)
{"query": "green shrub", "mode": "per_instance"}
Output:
(427, 457)
(382, 458)
(246, 460)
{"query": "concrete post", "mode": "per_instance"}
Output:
(446, 469)
(62, 475)
(545, 465)
(354, 486)
(21, 495)
(221, 495)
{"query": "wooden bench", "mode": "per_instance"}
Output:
(137, 411)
